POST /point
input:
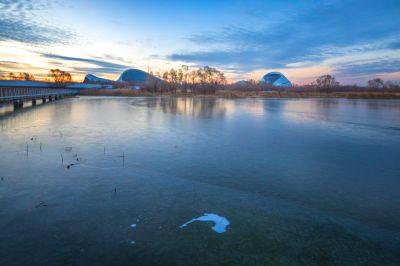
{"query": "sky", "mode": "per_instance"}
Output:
(353, 40)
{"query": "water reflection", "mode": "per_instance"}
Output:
(335, 112)
(31, 117)
(189, 106)
(6, 109)
(204, 107)
(320, 111)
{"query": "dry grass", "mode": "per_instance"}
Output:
(310, 94)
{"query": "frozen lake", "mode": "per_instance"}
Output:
(303, 182)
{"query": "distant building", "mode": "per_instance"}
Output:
(133, 79)
(134, 76)
(276, 79)
(243, 82)
(94, 79)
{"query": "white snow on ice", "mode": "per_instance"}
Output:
(220, 222)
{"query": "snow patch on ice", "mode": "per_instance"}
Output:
(221, 223)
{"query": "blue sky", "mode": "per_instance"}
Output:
(353, 40)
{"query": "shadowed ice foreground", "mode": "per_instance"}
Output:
(112, 180)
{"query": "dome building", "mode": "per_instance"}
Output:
(90, 78)
(276, 79)
(133, 76)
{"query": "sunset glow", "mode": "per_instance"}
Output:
(301, 39)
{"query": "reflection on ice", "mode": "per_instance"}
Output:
(220, 222)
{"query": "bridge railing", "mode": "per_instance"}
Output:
(21, 93)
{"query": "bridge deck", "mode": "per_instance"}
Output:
(26, 93)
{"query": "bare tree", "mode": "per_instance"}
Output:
(327, 83)
(206, 80)
(376, 83)
(391, 85)
(25, 76)
(185, 78)
(12, 76)
(60, 77)
(152, 82)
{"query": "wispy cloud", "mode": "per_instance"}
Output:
(96, 66)
(306, 37)
(101, 63)
(18, 22)
(14, 65)
(383, 66)
(11, 66)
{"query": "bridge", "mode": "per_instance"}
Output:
(18, 93)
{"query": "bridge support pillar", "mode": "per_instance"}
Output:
(18, 104)
(33, 102)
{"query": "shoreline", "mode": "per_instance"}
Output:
(389, 95)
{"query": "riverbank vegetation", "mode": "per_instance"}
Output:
(251, 94)
(20, 76)
(204, 80)
(57, 76)
(211, 82)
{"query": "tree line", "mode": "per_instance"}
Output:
(325, 83)
(57, 76)
(20, 76)
(204, 80)
(207, 80)
(328, 83)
